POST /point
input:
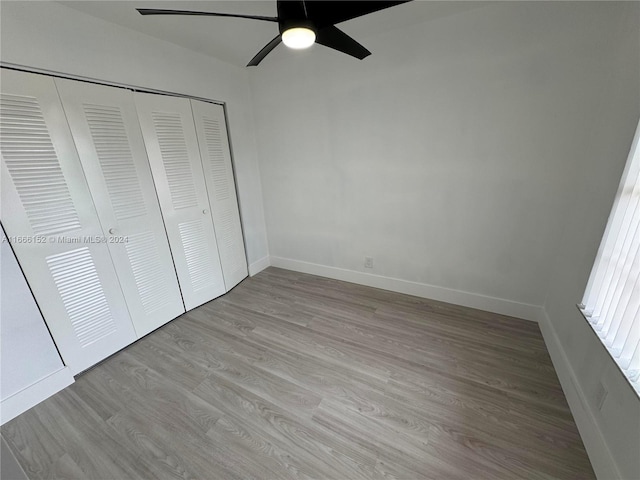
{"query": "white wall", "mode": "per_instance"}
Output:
(27, 350)
(596, 177)
(50, 36)
(447, 155)
(30, 367)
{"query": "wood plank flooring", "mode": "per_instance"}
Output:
(295, 376)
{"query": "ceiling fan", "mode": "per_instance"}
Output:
(303, 23)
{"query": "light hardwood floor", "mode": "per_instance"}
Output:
(296, 376)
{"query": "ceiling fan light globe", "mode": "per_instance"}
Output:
(298, 38)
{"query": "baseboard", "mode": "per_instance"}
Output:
(457, 297)
(29, 397)
(601, 459)
(259, 265)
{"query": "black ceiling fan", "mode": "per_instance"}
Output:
(302, 23)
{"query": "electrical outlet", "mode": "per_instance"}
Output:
(368, 262)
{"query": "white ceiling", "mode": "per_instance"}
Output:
(237, 40)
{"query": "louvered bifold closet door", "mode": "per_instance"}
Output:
(50, 219)
(105, 128)
(218, 173)
(172, 146)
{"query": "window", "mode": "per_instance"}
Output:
(611, 301)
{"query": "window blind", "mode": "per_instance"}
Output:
(611, 301)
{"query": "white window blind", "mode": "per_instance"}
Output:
(611, 301)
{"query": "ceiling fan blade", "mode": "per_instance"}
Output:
(265, 51)
(335, 38)
(325, 13)
(155, 11)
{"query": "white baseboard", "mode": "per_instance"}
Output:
(259, 265)
(29, 397)
(601, 459)
(457, 297)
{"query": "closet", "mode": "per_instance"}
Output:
(50, 219)
(170, 136)
(105, 128)
(191, 162)
(120, 206)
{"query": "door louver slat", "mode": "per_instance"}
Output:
(116, 161)
(82, 295)
(44, 181)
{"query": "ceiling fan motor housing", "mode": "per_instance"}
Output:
(294, 15)
(303, 23)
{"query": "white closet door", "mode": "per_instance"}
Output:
(106, 132)
(172, 146)
(51, 222)
(218, 173)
